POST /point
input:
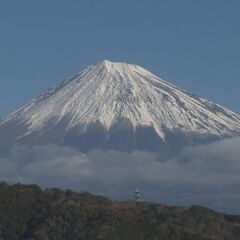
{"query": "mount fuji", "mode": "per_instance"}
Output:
(118, 106)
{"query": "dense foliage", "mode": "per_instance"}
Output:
(29, 213)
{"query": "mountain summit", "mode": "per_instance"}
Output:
(118, 106)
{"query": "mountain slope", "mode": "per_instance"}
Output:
(110, 105)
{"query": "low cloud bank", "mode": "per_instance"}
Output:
(207, 174)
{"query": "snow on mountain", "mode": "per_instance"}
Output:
(108, 93)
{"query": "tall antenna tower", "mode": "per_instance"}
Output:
(137, 195)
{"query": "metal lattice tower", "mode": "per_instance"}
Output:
(137, 195)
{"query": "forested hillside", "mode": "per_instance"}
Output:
(30, 213)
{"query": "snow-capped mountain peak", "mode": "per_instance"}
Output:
(109, 93)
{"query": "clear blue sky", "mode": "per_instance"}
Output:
(193, 44)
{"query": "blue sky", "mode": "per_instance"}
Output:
(192, 44)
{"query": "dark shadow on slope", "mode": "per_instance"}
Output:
(85, 140)
(9, 134)
(177, 140)
(121, 136)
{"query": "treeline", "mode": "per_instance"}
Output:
(29, 213)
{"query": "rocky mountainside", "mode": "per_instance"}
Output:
(118, 106)
(29, 213)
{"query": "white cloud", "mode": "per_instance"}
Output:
(215, 166)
